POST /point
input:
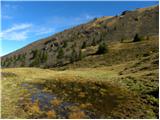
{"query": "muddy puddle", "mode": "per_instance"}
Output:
(49, 102)
(72, 100)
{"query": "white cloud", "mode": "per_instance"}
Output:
(17, 32)
(20, 32)
(17, 27)
(23, 31)
(18, 36)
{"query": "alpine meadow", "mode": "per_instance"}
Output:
(105, 68)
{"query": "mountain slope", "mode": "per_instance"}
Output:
(68, 46)
(122, 83)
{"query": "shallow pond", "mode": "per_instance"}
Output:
(45, 104)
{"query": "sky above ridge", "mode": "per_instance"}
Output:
(23, 22)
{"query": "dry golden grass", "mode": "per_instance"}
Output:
(112, 22)
(82, 94)
(35, 107)
(77, 115)
(56, 102)
(85, 105)
(97, 22)
(51, 114)
(128, 44)
(144, 9)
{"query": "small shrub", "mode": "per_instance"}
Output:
(137, 38)
(147, 38)
(80, 55)
(83, 45)
(102, 48)
(125, 12)
(14, 57)
(19, 57)
(94, 42)
(65, 44)
(34, 54)
(122, 40)
(60, 53)
(136, 19)
(44, 57)
(38, 57)
(8, 63)
(3, 63)
(74, 56)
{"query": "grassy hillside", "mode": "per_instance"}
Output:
(67, 46)
(121, 83)
(117, 53)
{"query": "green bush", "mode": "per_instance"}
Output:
(94, 42)
(3, 64)
(74, 56)
(65, 44)
(44, 57)
(102, 48)
(38, 57)
(137, 38)
(122, 40)
(83, 45)
(34, 53)
(60, 53)
(80, 55)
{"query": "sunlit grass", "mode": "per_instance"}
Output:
(12, 90)
(77, 115)
(51, 114)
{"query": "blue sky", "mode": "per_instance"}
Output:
(26, 21)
